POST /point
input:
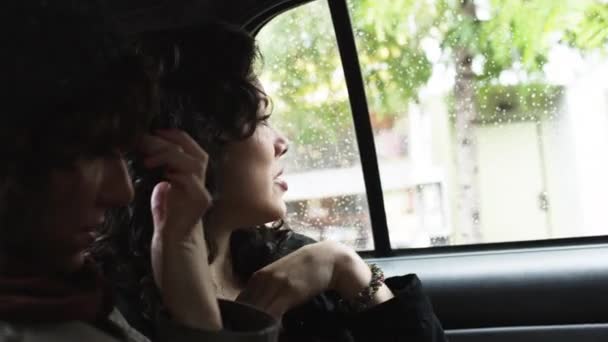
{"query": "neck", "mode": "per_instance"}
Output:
(218, 234)
(227, 284)
(219, 241)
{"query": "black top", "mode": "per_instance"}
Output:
(407, 317)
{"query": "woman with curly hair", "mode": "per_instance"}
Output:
(75, 99)
(322, 291)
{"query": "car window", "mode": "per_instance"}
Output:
(302, 73)
(490, 118)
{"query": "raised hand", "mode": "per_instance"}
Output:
(179, 253)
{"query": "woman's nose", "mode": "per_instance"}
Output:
(281, 145)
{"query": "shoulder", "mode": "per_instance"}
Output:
(11, 332)
(119, 321)
(253, 249)
(64, 331)
(294, 242)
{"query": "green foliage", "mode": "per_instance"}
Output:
(522, 102)
(394, 66)
(303, 70)
(301, 61)
(592, 33)
(518, 33)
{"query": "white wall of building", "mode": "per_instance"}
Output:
(510, 182)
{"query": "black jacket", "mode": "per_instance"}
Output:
(407, 317)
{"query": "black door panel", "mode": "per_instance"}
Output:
(513, 288)
(578, 333)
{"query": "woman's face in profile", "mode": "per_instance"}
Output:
(250, 175)
(78, 197)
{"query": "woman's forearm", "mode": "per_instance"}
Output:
(186, 287)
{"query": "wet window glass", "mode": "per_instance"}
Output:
(490, 117)
(302, 73)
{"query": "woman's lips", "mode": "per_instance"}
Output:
(282, 184)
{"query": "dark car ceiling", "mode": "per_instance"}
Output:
(153, 15)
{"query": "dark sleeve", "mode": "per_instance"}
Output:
(407, 317)
(241, 323)
(253, 249)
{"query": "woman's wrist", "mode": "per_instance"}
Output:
(187, 289)
(359, 283)
(187, 296)
(193, 239)
(351, 273)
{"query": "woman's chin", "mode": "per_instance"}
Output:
(252, 216)
(272, 215)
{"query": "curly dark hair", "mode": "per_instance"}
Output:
(72, 88)
(208, 89)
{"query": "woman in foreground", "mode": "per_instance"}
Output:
(322, 291)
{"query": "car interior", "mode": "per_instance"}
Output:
(551, 288)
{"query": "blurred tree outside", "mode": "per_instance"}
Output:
(480, 41)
